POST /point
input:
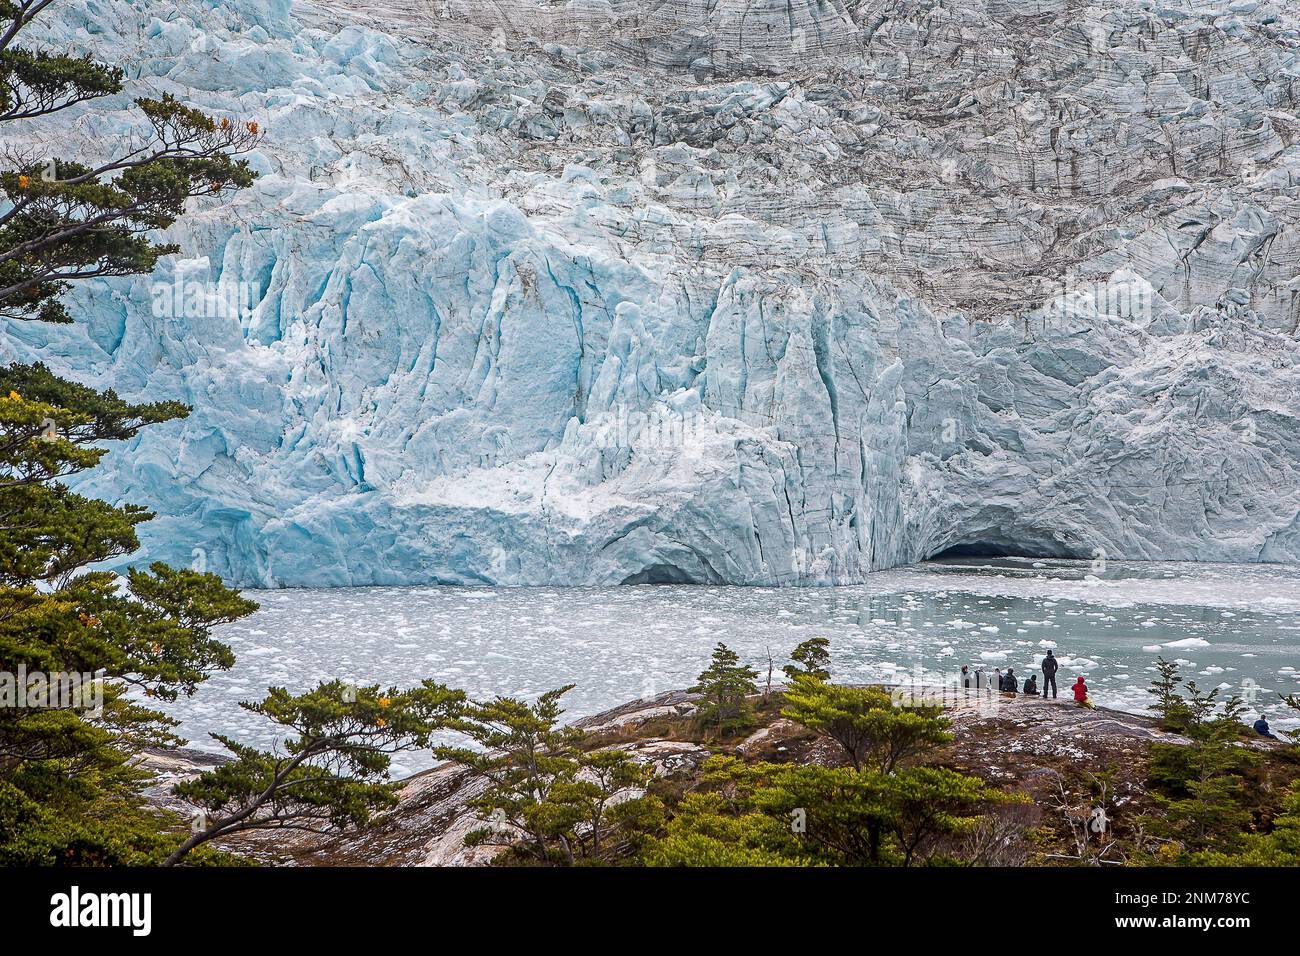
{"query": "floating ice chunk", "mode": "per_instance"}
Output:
(1078, 663)
(1188, 642)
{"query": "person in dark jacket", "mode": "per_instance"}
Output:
(1261, 727)
(965, 676)
(1049, 672)
(1031, 685)
(1010, 683)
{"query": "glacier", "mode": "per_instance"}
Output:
(750, 292)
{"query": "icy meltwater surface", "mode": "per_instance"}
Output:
(1229, 624)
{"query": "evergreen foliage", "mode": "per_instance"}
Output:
(786, 815)
(811, 659)
(332, 775)
(548, 800)
(726, 686)
(69, 786)
(874, 733)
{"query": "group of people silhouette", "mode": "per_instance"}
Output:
(1010, 683)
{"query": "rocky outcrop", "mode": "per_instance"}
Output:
(1015, 742)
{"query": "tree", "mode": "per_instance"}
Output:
(781, 814)
(1169, 706)
(706, 831)
(1292, 701)
(864, 721)
(69, 787)
(726, 686)
(1280, 846)
(928, 805)
(811, 659)
(1200, 786)
(331, 776)
(549, 800)
(1211, 816)
(70, 221)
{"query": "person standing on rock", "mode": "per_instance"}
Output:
(1049, 672)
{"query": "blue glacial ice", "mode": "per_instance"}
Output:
(537, 311)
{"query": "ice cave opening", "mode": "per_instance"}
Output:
(660, 574)
(1005, 548)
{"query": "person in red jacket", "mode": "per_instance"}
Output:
(1080, 691)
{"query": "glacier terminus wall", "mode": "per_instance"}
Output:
(740, 291)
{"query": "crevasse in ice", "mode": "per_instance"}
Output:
(525, 302)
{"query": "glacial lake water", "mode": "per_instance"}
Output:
(1232, 625)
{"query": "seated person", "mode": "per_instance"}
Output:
(1261, 727)
(1081, 693)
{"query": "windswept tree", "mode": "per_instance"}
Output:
(69, 220)
(873, 732)
(68, 784)
(330, 776)
(549, 799)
